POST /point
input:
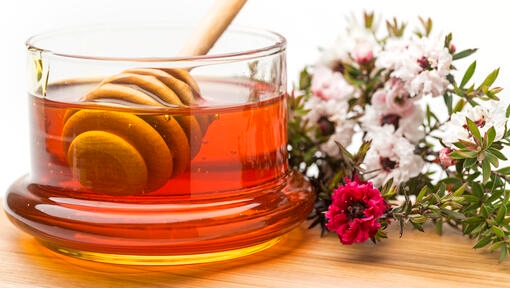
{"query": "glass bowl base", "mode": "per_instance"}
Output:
(156, 230)
(155, 260)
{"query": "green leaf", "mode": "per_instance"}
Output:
(492, 159)
(463, 154)
(470, 162)
(453, 214)
(479, 228)
(427, 24)
(473, 220)
(458, 91)
(468, 228)
(474, 130)
(369, 19)
(395, 29)
(459, 106)
(505, 170)
(503, 253)
(482, 242)
(495, 195)
(417, 226)
(455, 202)
(439, 227)
(417, 218)
(448, 100)
(469, 73)
(477, 190)
(506, 197)
(497, 153)
(465, 144)
(421, 194)
(359, 157)
(495, 246)
(484, 211)
(491, 94)
(491, 135)
(463, 54)
(471, 198)
(441, 191)
(489, 80)
(305, 80)
(460, 190)
(428, 115)
(497, 231)
(501, 214)
(448, 40)
(451, 180)
(486, 170)
(450, 77)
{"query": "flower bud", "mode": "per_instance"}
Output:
(363, 53)
(452, 48)
(444, 157)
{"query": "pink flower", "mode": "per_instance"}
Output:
(330, 85)
(363, 53)
(398, 98)
(354, 211)
(444, 157)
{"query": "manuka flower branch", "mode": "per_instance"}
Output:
(382, 119)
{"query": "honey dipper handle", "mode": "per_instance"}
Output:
(210, 28)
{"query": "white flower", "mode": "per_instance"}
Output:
(421, 63)
(428, 84)
(343, 135)
(328, 108)
(391, 156)
(485, 117)
(331, 119)
(405, 118)
(357, 40)
(395, 57)
(327, 85)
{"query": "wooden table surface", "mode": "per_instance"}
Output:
(304, 259)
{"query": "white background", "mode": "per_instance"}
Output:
(306, 25)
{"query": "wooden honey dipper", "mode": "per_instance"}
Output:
(120, 153)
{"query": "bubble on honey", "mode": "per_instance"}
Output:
(167, 117)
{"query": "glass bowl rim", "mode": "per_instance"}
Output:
(278, 43)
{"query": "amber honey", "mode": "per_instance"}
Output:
(235, 193)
